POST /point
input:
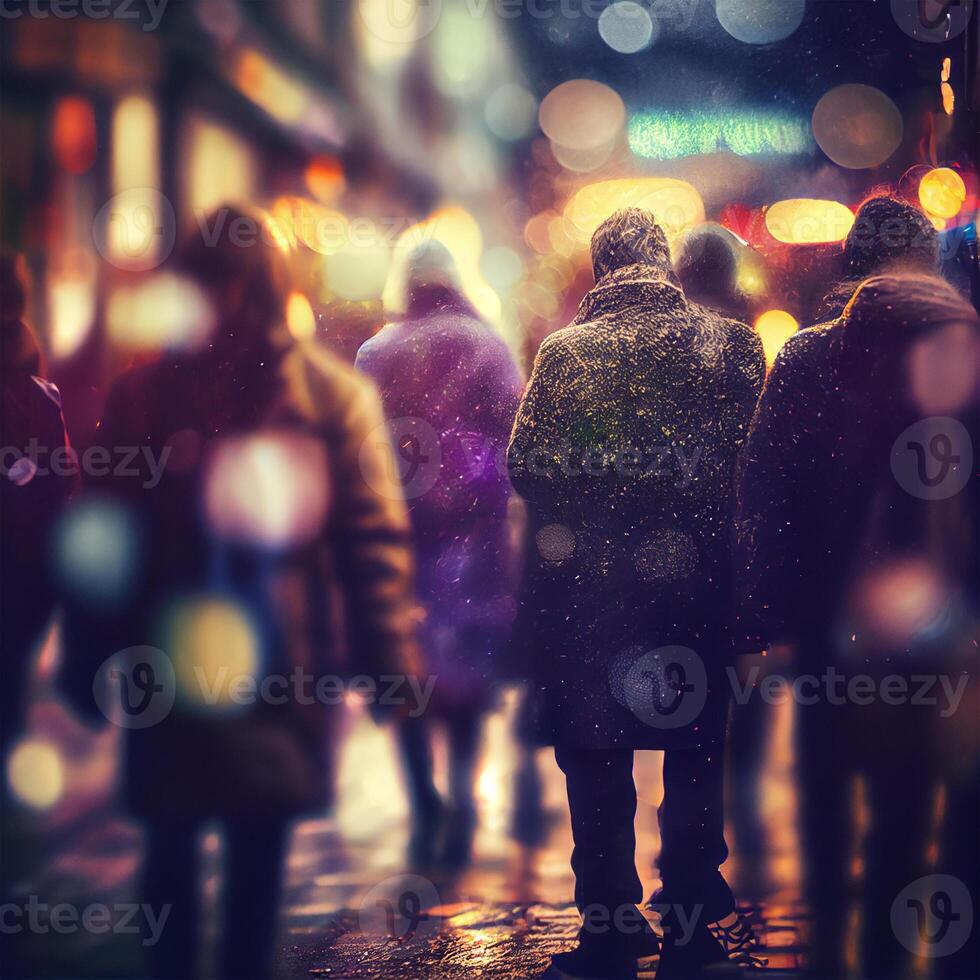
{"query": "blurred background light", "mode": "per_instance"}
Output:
(283, 97)
(502, 267)
(324, 178)
(676, 205)
(96, 550)
(300, 318)
(357, 271)
(582, 114)
(71, 297)
(213, 646)
(942, 192)
(857, 126)
(164, 311)
(627, 27)
(220, 168)
(583, 161)
(268, 490)
(944, 369)
(774, 328)
(73, 139)
(510, 111)
(901, 602)
(667, 135)
(35, 773)
(804, 221)
(388, 30)
(760, 21)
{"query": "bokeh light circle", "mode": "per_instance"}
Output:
(932, 23)
(805, 221)
(96, 551)
(775, 327)
(857, 126)
(760, 21)
(268, 489)
(942, 192)
(582, 114)
(214, 648)
(627, 27)
(36, 774)
(509, 111)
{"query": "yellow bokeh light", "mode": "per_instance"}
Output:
(942, 192)
(675, 204)
(774, 328)
(804, 221)
(300, 318)
(35, 774)
(214, 650)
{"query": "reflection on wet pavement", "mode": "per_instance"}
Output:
(351, 906)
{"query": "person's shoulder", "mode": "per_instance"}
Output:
(379, 342)
(806, 355)
(328, 388)
(565, 340)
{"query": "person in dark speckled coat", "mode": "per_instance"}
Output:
(625, 448)
(866, 560)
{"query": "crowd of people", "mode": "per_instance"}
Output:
(614, 534)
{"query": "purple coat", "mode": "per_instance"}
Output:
(450, 388)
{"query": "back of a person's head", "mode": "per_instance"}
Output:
(425, 282)
(243, 272)
(708, 268)
(630, 236)
(890, 235)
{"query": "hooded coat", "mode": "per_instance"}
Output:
(820, 499)
(888, 235)
(624, 447)
(450, 387)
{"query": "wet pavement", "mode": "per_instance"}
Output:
(351, 906)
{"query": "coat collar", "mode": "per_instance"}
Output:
(631, 286)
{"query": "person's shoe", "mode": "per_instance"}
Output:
(593, 960)
(643, 943)
(736, 936)
(712, 949)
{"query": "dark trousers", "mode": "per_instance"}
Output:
(252, 866)
(415, 737)
(899, 794)
(602, 801)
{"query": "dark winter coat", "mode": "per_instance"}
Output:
(820, 498)
(351, 567)
(450, 382)
(624, 448)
